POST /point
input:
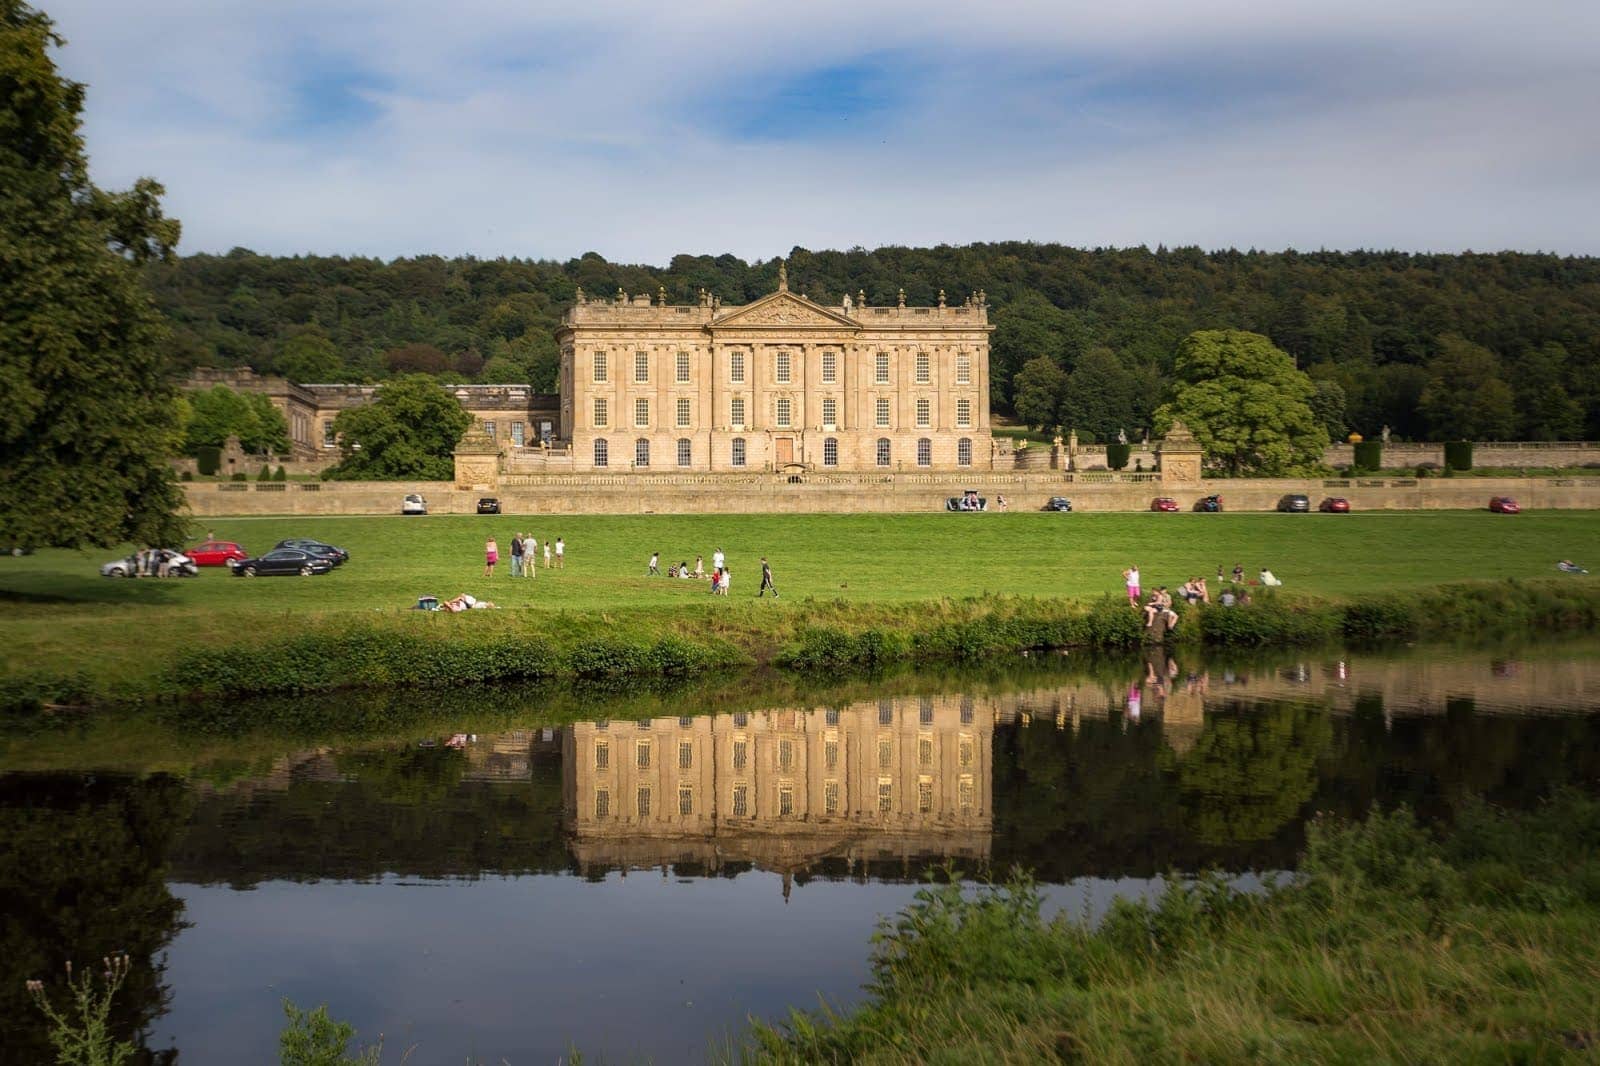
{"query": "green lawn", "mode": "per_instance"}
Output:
(59, 610)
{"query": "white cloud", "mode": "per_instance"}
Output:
(546, 133)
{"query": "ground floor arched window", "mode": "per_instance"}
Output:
(602, 452)
(830, 452)
(737, 456)
(924, 452)
(641, 452)
(883, 451)
(685, 451)
(964, 451)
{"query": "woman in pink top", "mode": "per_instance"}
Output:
(491, 555)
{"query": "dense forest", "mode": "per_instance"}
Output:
(1492, 346)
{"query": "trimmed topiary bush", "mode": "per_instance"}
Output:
(187, 475)
(1369, 455)
(208, 460)
(280, 474)
(1117, 456)
(239, 475)
(1458, 455)
(266, 473)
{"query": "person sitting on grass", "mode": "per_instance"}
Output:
(1269, 579)
(1567, 566)
(465, 602)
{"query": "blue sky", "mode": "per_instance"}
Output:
(383, 127)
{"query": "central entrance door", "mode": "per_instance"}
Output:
(784, 451)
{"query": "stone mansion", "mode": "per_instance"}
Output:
(780, 384)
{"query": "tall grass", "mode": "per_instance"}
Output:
(1391, 944)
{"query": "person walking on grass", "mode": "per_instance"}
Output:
(1130, 578)
(530, 555)
(766, 581)
(655, 568)
(561, 554)
(516, 555)
(547, 553)
(717, 561)
(491, 555)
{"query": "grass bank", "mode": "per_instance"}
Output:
(922, 581)
(1390, 944)
(423, 650)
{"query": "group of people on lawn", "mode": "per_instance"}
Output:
(720, 575)
(1159, 605)
(525, 555)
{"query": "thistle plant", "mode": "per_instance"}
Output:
(80, 1030)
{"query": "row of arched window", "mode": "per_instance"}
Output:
(738, 452)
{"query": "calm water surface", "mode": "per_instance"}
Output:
(641, 886)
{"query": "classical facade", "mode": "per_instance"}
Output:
(783, 383)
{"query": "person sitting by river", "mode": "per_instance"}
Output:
(1160, 605)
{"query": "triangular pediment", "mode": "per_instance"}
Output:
(785, 310)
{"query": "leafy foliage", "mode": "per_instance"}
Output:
(409, 432)
(1246, 404)
(220, 413)
(311, 1038)
(90, 414)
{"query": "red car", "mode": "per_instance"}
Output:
(1504, 505)
(1335, 505)
(1163, 503)
(216, 553)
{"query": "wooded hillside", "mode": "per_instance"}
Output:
(1502, 345)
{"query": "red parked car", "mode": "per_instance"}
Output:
(1163, 503)
(216, 553)
(1504, 505)
(1335, 505)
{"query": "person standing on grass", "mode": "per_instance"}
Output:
(717, 561)
(699, 566)
(530, 555)
(547, 553)
(655, 567)
(727, 575)
(1130, 578)
(766, 581)
(491, 555)
(516, 555)
(561, 554)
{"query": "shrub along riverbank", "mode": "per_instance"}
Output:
(293, 655)
(1389, 945)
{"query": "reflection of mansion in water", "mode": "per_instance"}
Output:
(887, 780)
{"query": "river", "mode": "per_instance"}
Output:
(636, 876)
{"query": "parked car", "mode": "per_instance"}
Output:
(413, 504)
(1208, 504)
(1058, 503)
(488, 505)
(282, 561)
(178, 565)
(336, 556)
(1163, 503)
(1504, 505)
(216, 553)
(967, 501)
(1295, 503)
(1334, 505)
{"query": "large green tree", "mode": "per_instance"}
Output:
(220, 413)
(1101, 397)
(1247, 405)
(1040, 385)
(408, 433)
(89, 416)
(1466, 398)
(1545, 405)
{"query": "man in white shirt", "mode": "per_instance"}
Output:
(717, 562)
(561, 552)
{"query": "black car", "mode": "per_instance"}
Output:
(335, 556)
(1297, 502)
(282, 561)
(1058, 503)
(1208, 504)
(488, 505)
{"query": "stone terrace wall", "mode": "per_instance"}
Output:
(773, 494)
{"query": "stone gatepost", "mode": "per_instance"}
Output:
(477, 460)
(1179, 456)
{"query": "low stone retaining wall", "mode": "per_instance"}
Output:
(843, 494)
(1484, 453)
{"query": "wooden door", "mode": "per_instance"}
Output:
(785, 451)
